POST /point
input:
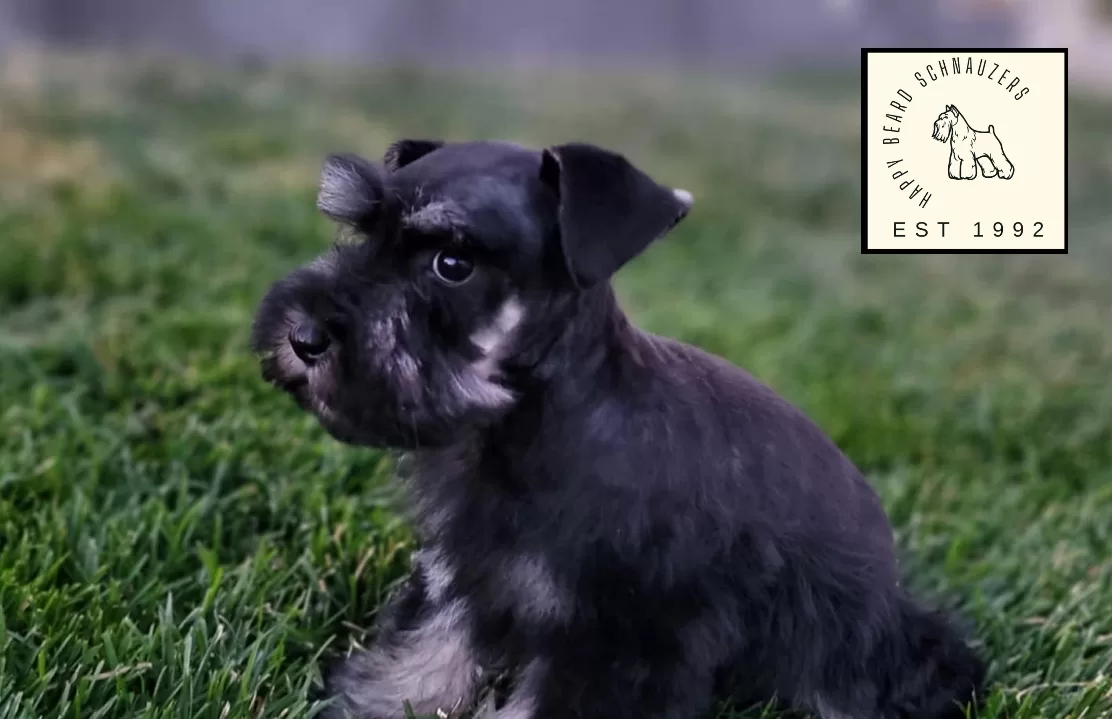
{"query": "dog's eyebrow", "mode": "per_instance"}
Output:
(436, 216)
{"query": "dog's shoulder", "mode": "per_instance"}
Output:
(727, 412)
(713, 383)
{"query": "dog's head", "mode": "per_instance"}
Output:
(460, 253)
(944, 124)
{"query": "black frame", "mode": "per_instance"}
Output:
(865, 51)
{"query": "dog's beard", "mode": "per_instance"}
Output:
(388, 403)
(375, 392)
(942, 131)
(452, 405)
(403, 401)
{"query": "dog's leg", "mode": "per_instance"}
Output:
(953, 169)
(1004, 166)
(988, 169)
(921, 667)
(608, 687)
(823, 708)
(422, 656)
(1007, 169)
(968, 166)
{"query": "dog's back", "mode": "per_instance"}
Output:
(821, 619)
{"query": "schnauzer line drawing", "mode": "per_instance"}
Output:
(970, 149)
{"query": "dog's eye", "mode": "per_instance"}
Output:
(452, 268)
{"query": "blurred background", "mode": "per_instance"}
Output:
(723, 35)
(178, 540)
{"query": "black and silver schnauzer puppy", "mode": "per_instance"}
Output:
(612, 524)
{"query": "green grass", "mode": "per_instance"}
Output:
(177, 540)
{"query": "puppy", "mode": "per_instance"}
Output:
(611, 524)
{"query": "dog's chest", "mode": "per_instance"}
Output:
(519, 584)
(490, 545)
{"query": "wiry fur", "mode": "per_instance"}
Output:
(612, 524)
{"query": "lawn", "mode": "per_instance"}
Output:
(177, 540)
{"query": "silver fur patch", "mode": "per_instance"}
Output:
(479, 391)
(476, 385)
(522, 703)
(536, 594)
(433, 669)
(394, 360)
(437, 572)
(382, 333)
(825, 711)
(405, 367)
(491, 339)
(325, 265)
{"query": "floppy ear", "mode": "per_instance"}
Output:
(609, 211)
(350, 190)
(403, 152)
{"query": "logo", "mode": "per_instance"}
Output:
(999, 186)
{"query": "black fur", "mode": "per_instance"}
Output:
(603, 196)
(612, 524)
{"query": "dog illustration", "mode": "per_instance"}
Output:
(971, 148)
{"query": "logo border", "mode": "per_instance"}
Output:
(865, 52)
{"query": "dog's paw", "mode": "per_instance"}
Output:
(330, 692)
(349, 691)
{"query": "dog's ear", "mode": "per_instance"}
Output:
(350, 190)
(403, 152)
(609, 211)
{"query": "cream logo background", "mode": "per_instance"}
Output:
(963, 150)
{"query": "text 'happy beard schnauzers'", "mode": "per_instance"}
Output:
(970, 149)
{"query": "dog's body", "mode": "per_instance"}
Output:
(611, 524)
(971, 149)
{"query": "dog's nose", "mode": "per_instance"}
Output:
(309, 341)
